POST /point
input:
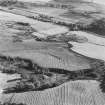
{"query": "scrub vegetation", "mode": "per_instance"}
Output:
(37, 78)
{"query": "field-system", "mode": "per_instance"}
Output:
(52, 53)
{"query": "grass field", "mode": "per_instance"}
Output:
(34, 23)
(48, 10)
(37, 51)
(32, 49)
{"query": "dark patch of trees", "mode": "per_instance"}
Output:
(102, 84)
(98, 27)
(15, 3)
(12, 104)
(7, 2)
(23, 24)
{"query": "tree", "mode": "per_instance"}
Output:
(7, 2)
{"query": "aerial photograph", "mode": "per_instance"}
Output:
(52, 52)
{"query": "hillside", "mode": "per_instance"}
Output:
(52, 53)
